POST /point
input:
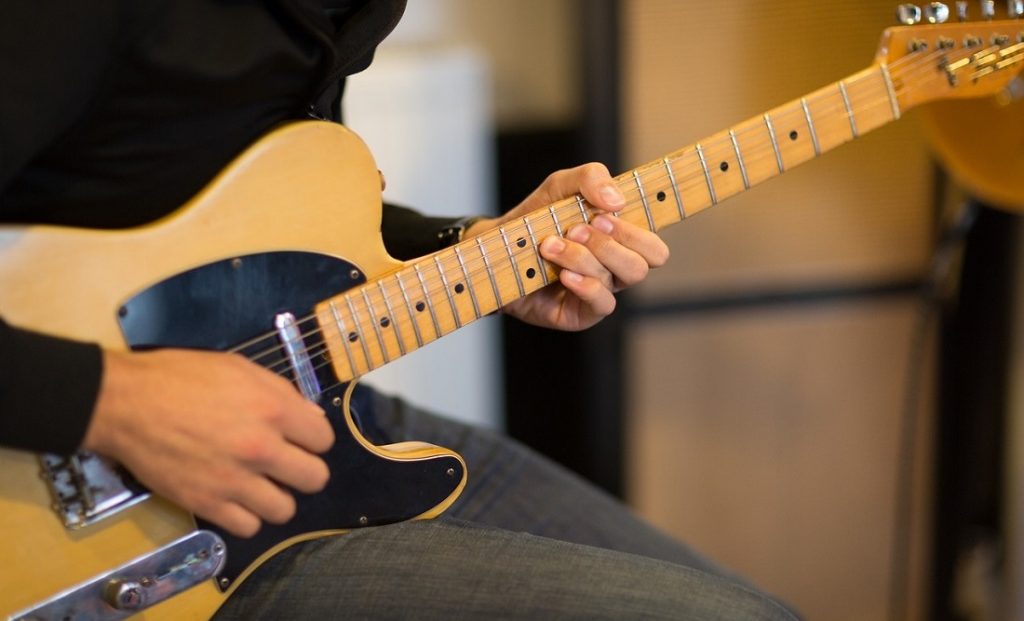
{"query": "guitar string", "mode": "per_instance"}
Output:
(381, 344)
(360, 326)
(696, 178)
(360, 331)
(388, 348)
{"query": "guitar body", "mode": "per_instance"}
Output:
(277, 225)
(293, 221)
(981, 143)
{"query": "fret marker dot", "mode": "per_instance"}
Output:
(521, 242)
(793, 135)
(530, 273)
(420, 306)
(459, 288)
(724, 166)
(353, 337)
(385, 322)
(661, 197)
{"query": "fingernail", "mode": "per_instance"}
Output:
(553, 245)
(572, 276)
(579, 234)
(612, 196)
(603, 224)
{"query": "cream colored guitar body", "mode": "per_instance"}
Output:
(71, 282)
(313, 187)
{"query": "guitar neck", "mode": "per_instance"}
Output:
(383, 320)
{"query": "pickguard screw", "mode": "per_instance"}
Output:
(236, 263)
(336, 402)
(363, 521)
(450, 472)
(224, 583)
(354, 274)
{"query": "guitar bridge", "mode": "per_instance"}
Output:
(87, 488)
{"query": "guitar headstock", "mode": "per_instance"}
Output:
(942, 54)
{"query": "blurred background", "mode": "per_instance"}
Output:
(817, 391)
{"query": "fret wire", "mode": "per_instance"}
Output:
(392, 318)
(359, 332)
(847, 101)
(344, 337)
(376, 325)
(428, 300)
(810, 126)
(849, 109)
(448, 291)
(583, 210)
(469, 282)
(892, 92)
(707, 174)
(772, 134)
(554, 218)
(490, 272)
(512, 259)
(775, 142)
(408, 306)
(739, 159)
(643, 200)
(675, 188)
(536, 250)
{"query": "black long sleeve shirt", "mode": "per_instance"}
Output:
(115, 112)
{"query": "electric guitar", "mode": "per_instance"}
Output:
(310, 293)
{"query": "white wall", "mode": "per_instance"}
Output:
(425, 115)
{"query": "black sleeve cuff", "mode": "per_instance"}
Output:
(48, 389)
(409, 234)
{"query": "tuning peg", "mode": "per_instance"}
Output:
(936, 13)
(961, 10)
(988, 8)
(1015, 8)
(908, 14)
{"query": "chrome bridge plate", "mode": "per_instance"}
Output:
(87, 488)
(136, 585)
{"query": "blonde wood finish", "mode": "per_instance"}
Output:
(977, 129)
(981, 144)
(71, 283)
(440, 293)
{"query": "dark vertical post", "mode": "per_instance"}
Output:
(973, 389)
(564, 392)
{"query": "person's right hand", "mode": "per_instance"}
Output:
(212, 432)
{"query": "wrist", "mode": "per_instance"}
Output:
(464, 228)
(99, 436)
(479, 226)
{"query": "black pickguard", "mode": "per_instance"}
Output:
(223, 304)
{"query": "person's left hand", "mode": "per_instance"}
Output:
(597, 259)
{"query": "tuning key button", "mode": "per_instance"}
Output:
(988, 9)
(961, 10)
(908, 14)
(1015, 8)
(936, 13)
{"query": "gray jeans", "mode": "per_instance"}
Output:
(526, 540)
